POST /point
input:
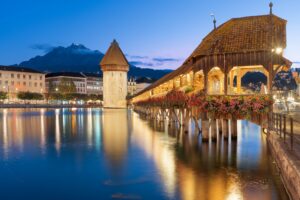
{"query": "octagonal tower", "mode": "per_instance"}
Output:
(115, 68)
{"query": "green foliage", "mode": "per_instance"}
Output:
(74, 96)
(3, 95)
(95, 97)
(66, 86)
(188, 89)
(30, 96)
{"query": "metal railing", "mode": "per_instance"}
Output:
(287, 127)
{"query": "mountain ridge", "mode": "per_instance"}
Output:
(78, 58)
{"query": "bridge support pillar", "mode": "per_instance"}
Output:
(233, 129)
(205, 130)
(213, 129)
(219, 125)
(225, 128)
(186, 120)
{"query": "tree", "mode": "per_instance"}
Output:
(94, 97)
(30, 96)
(66, 86)
(3, 95)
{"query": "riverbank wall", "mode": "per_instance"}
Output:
(288, 163)
(48, 106)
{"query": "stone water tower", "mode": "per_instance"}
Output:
(115, 67)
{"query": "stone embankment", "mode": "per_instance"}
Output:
(288, 162)
(48, 106)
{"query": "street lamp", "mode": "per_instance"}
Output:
(277, 50)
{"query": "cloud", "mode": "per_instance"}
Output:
(166, 59)
(141, 64)
(136, 56)
(42, 47)
(160, 62)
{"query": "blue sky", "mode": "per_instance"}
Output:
(158, 33)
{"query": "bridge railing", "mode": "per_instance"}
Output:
(286, 127)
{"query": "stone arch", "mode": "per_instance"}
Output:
(215, 81)
(198, 82)
(238, 72)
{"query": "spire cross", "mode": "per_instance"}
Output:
(271, 8)
(214, 21)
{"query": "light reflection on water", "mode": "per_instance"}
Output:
(104, 154)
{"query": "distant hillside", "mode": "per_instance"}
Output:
(78, 58)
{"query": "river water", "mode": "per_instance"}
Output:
(115, 154)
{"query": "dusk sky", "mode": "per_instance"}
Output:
(158, 33)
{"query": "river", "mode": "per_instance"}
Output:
(97, 153)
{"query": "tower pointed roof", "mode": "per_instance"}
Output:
(114, 56)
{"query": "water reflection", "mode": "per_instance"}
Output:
(115, 135)
(115, 153)
(157, 148)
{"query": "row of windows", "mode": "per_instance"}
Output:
(94, 83)
(80, 85)
(18, 76)
(12, 83)
(93, 88)
(80, 90)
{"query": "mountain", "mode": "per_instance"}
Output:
(78, 58)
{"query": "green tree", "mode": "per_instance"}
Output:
(30, 96)
(66, 86)
(94, 97)
(3, 95)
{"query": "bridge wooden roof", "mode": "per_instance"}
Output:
(237, 42)
(244, 34)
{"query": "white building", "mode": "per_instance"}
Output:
(86, 83)
(131, 86)
(21, 79)
(54, 79)
(115, 67)
(139, 84)
(94, 83)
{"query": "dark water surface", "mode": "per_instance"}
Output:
(114, 154)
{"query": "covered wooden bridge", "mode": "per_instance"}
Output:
(224, 56)
(227, 53)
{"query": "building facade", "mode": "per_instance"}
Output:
(131, 85)
(94, 83)
(115, 67)
(137, 85)
(20, 79)
(85, 83)
(53, 81)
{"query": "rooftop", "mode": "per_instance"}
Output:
(114, 56)
(92, 75)
(66, 74)
(18, 69)
(244, 34)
